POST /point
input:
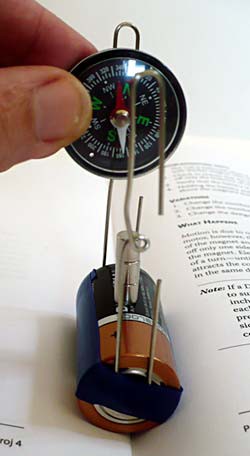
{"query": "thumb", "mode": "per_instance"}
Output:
(41, 110)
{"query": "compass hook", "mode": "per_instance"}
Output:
(133, 27)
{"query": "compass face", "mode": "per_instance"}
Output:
(103, 149)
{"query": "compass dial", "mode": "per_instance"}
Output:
(103, 149)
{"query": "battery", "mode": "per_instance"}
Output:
(122, 402)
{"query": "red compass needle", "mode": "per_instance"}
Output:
(119, 102)
(120, 117)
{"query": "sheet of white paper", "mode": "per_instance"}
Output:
(51, 236)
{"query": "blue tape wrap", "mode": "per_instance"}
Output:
(97, 383)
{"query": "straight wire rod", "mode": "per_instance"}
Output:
(156, 307)
(118, 333)
(119, 315)
(139, 214)
(106, 232)
(161, 181)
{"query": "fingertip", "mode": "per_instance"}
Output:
(62, 111)
(43, 110)
(85, 117)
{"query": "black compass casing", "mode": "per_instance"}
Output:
(99, 149)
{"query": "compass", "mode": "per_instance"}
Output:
(108, 76)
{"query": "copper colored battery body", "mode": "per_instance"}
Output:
(134, 354)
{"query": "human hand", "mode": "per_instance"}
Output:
(42, 107)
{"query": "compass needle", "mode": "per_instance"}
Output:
(122, 134)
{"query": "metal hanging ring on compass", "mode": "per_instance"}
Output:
(107, 75)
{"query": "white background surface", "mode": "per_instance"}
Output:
(205, 43)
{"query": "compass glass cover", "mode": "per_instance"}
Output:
(103, 149)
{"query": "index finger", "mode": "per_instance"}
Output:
(30, 35)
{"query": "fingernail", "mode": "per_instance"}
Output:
(61, 110)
